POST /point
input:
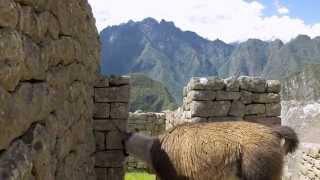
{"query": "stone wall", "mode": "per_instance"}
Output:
(244, 98)
(49, 55)
(146, 123)
(111, 97)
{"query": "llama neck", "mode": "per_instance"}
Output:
(139, 146)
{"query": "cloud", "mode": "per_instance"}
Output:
(229, 20)
(281, 9)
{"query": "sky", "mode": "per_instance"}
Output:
(227, 20)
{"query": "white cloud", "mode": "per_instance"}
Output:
(229, 20)
(282, 10)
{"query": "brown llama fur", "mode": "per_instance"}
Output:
(222, 151)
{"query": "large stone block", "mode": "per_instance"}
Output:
(119, 111)
(110, 158)
(266, 98)
(112, 94)
(102, 173)
(238, 109)
(34, 66)
(119, 80)
(203, 95)
(109, 125)
(65, 50)
(100, 140)
(113, 140)
(232, 84)
(8, 14)
(39, 5)
(246, 97)
(253, 84)
(11, 59)
(253, 109)
(273, 86)
(31, 25)
(210, 109)
(269, 121)
(211, 83)
(225, 95)
(273, 109)
(101, 111)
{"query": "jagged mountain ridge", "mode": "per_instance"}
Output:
(165, 53)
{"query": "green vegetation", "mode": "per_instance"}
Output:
(149, 95)
(139, 176)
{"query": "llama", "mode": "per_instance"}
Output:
(215, 151)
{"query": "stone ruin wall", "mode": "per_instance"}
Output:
(111, 98)
(148, 123)
(245, 98)
(49, 56)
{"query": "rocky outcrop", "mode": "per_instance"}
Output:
(49, 55)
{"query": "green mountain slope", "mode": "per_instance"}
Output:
(149, 95)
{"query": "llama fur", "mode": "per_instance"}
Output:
(216, 151)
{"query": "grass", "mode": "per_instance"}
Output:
(139, 176)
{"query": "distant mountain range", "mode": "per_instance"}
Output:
(165, 53)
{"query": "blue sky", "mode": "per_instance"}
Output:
(228, 20)
(308, 10)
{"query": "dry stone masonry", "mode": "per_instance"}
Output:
(49, 55)
(148, 123)
(244, 98)
(111, 98)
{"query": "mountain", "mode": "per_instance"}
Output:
(149, 95)
(162, 52)
(165, 53)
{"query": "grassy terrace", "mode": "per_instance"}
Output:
(139, 176)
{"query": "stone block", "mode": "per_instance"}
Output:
(34, 66)
(29, 23)
(113, 140)
(203, 95)
(100, 140)
(254, 109)
(266, 98)
(102, 82)
(119, 80)
(269, 121)
(273, 109)
(11, 59)
(8, 14)
(225, 95)
(110, 158)
(115, 174)
(246, 97)
(109, 125)
(119, 111)
(238, 109)
(101, 111)
(210, 109)
(101, 173)
(232, 84)
(253, 84)
(112, 94)
(273, 86)
(211, 83)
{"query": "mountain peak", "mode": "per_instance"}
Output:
(150, 21)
